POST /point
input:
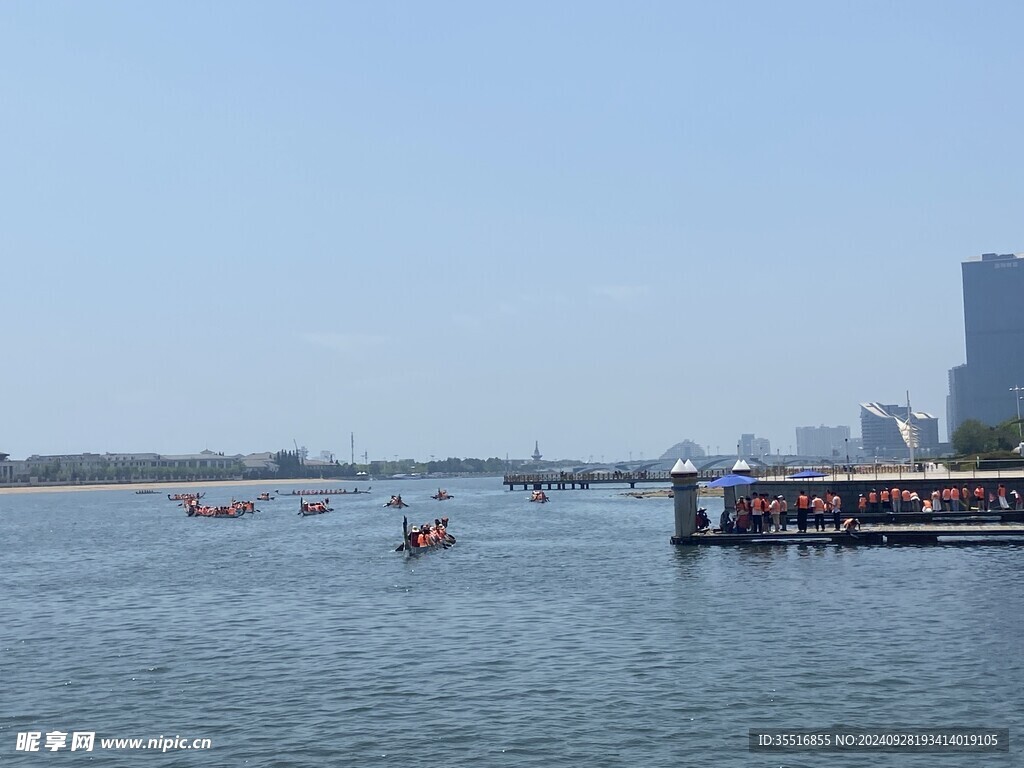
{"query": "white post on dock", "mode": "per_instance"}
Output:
(729, 494)
(684, 496)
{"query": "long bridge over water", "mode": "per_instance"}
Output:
(563, 480)
(854, 479)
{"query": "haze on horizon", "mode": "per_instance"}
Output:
(454, 229)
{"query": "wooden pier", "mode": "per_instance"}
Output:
(984, 533)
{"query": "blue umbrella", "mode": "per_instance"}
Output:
(805, 474)
(728, 481)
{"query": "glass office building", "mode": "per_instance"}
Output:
(994, 335)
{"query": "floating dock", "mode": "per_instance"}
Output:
(985, 533)
(685, 491)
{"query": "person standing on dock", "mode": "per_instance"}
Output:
(757, 512)
(954, 499)
(873, 500)
(802, 504)
(819, 513)
(886, 501)
(979, 498)
(905, 502)
(965, 494)
(896, 499)
(775, 508)
(837, 510)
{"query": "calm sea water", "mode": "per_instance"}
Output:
(565, 634)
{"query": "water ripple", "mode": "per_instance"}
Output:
(579, 637)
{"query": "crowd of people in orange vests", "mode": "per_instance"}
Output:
(234, 509)
(313, 507)
(950, 498)
(429, 534)
(186, 497)
(760, 514)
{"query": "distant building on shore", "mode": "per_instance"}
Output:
(754, 447)
(882, 430)
(983, 387)
(685, 449)
(826, 442)
(95, 467)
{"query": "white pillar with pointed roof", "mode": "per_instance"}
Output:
(729, 494)
(684, 493)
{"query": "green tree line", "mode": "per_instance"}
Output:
(290, 465)
(974, 437)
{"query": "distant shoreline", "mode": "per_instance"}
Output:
(173, 488)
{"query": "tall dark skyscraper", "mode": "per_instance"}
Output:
(994, 332)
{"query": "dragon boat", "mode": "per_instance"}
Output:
(412, 549)
(307, 508)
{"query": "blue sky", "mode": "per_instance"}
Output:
(457, 228)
